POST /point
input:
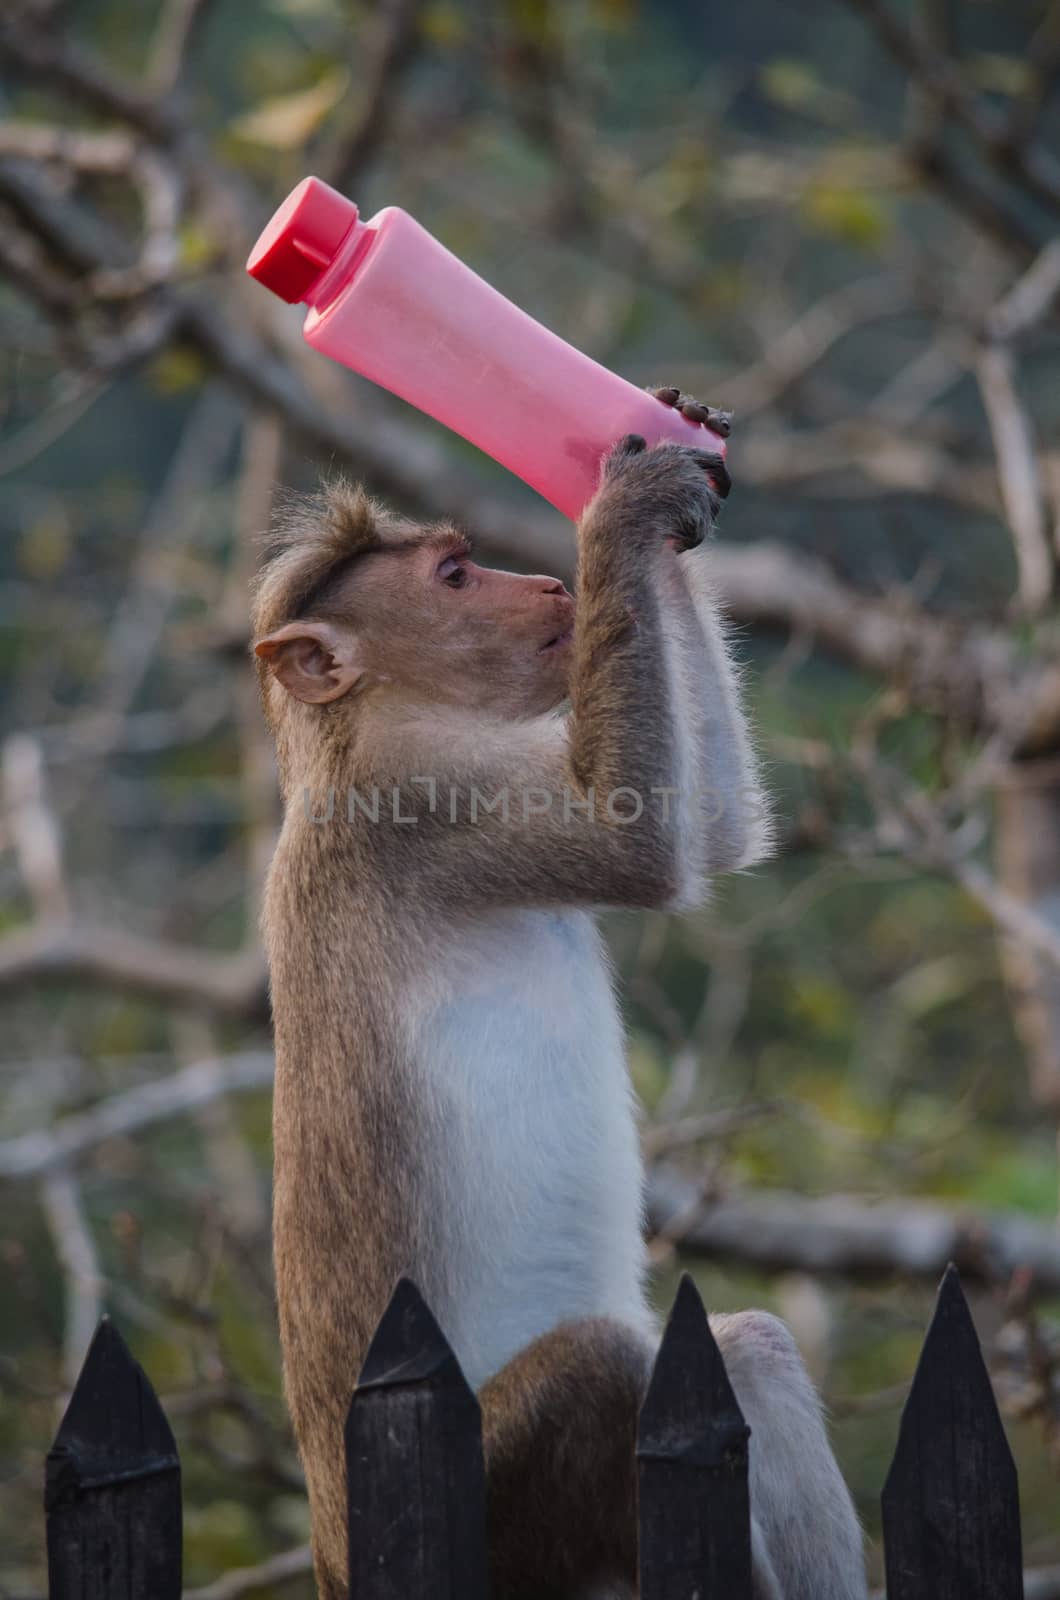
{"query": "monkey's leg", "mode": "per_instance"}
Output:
(806, 1538)
(559, 1428)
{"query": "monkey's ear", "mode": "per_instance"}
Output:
(315, 661)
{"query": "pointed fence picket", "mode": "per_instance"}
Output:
(415, 1480)
(951, 1512)
(112, 1485)
(416, 1484)
(695, 1528)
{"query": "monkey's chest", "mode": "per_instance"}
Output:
(522, 1070)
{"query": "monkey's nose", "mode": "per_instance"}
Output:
(552, 586)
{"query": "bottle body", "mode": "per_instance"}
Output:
(398, 307)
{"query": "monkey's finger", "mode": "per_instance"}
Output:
(631, 445)
(710, 416)
(692, 409)
(714, 466)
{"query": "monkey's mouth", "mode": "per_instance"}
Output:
(557, 643)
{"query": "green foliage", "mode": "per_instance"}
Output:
(855, 216)
(798, 86)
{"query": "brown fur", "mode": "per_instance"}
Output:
(561, 1499)
(374, 675)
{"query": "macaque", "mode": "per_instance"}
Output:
(472, 763)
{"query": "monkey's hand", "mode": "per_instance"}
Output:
(672, 490)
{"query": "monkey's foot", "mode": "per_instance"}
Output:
(717, 421)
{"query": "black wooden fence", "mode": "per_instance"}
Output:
(414, 1458)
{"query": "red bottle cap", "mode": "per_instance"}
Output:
(302, 239)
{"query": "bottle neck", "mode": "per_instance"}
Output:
(347, 259)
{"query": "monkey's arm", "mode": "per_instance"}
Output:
(733, 811)
(728, 798)
(722, 819)
(588, 813)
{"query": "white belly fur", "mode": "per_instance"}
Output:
(524, 1081)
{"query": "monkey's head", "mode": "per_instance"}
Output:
(354, 598)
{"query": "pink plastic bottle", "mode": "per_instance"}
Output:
(389, 301)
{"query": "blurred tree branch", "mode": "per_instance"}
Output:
(178, 27)
(231, 986)
(36, 1155)
(391, 51)
(784, 1231)
(1004, 143)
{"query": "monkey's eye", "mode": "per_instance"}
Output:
(453, 572)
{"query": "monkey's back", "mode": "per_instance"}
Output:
(482, 1089)
(350, 1198)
